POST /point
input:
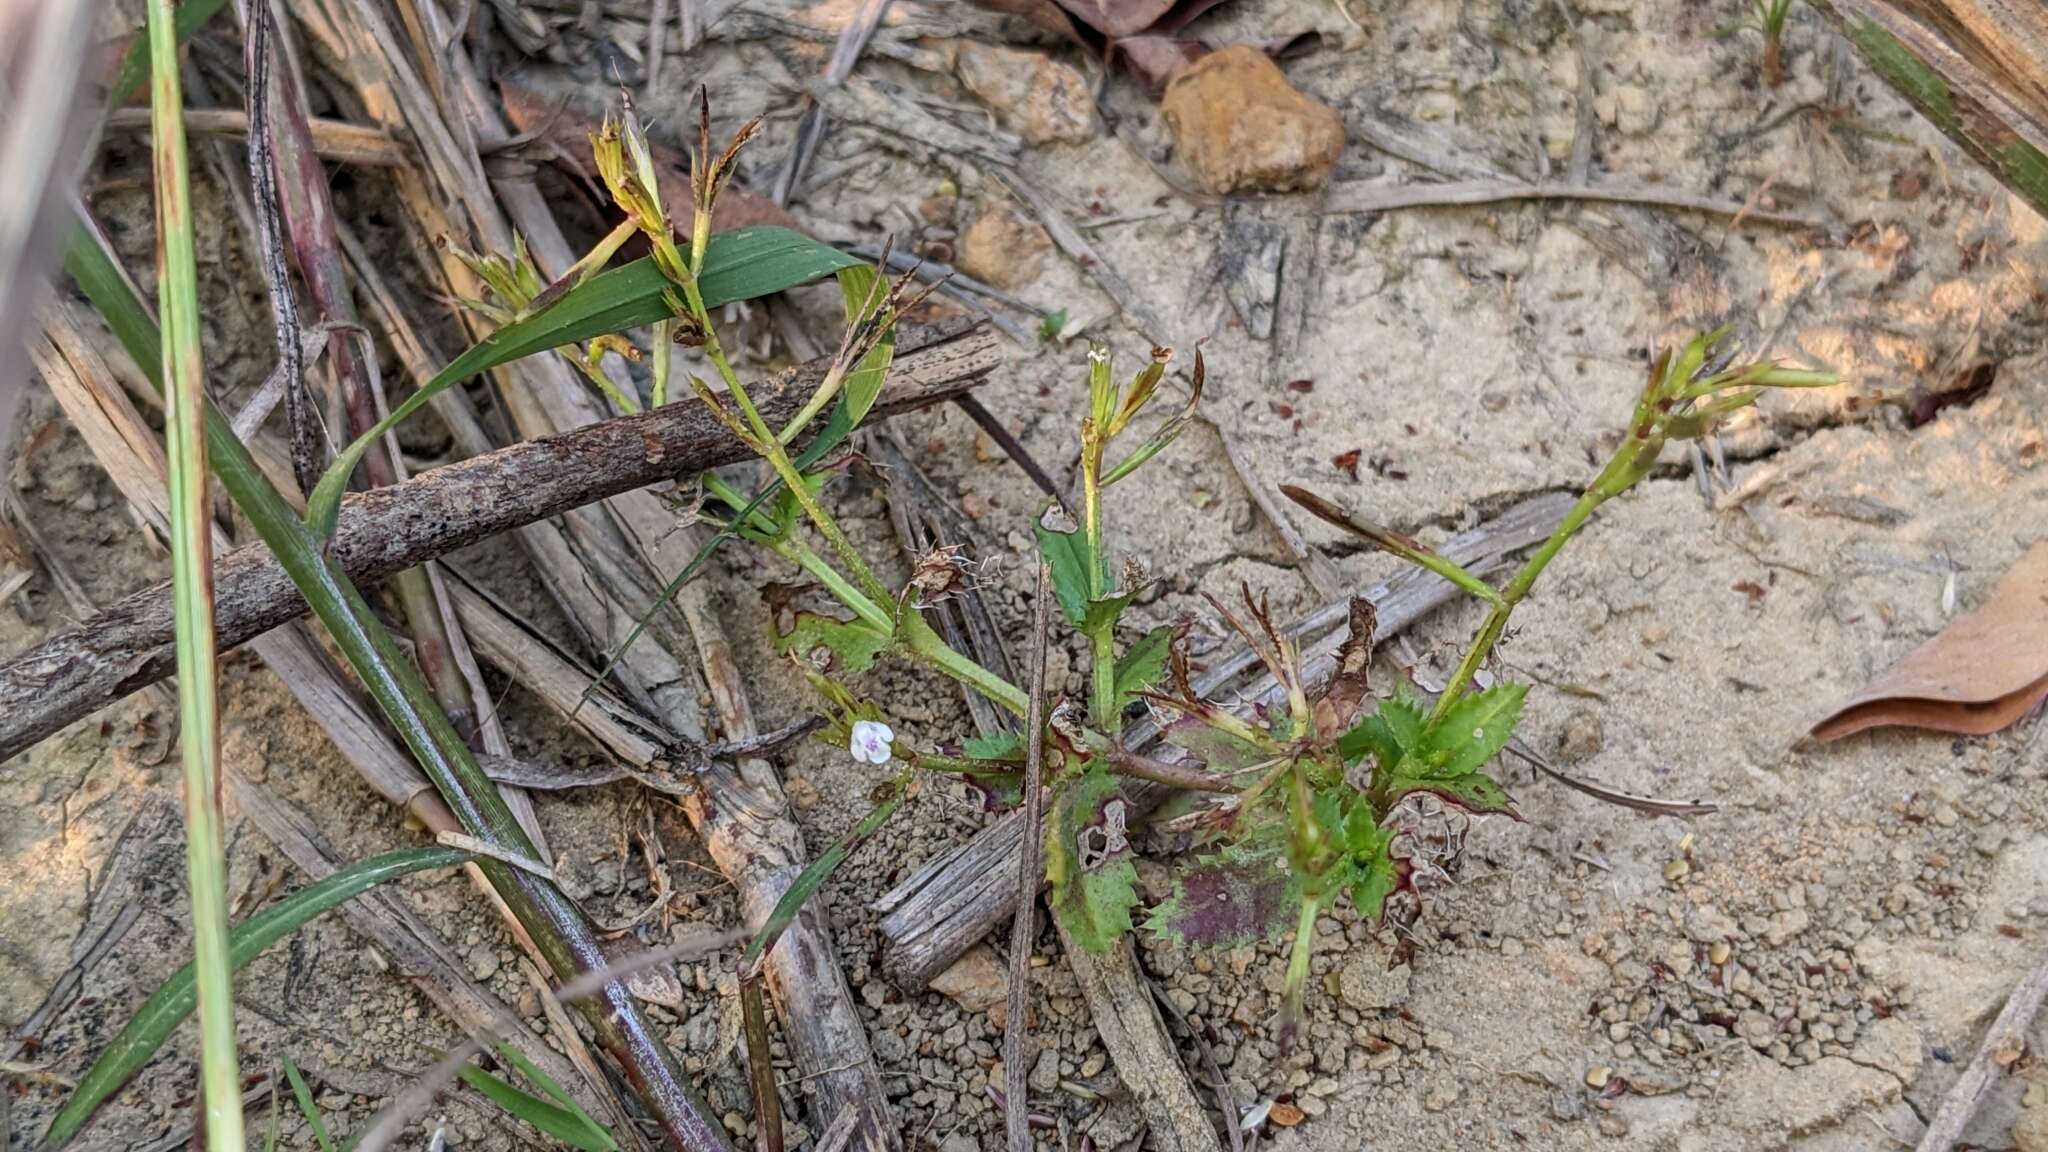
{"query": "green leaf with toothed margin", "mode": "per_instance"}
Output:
(1067, 554)
(1474, 731)
(1474, 791)
(1142, 663)
(1088, 861)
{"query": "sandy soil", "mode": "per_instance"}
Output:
(1875, 898)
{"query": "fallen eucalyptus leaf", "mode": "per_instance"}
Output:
(1979, 675)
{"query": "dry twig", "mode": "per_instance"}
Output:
(1017, 1029)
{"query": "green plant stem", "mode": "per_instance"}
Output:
(603, 381)
(1515, 590)
(930, 648)
(771, 450)
(664, 332)
(184, 373)
(818, 568)
(1102, 641)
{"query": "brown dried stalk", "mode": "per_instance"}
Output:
(1017, 1028)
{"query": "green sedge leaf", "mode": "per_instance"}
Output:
(864, 291)
(187, 20)
(814, 876)
(738, 265)
(853, 645)
(303, 1097)
(575, 1129)
(168, 1006)
(539, 1079)
(1088, 861)
(1067, 554)
(1143, 663)
(1475, 729)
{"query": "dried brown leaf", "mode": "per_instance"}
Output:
(1979, 675)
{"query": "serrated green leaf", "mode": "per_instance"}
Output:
(854, 645)
(1404, 719)
(1474, 791)
(1242, 895)
(1067, 554)
(1372, 872)
(1372, 736)
(738, 265)
(1475, 729)
(1373, 880)
(1093, 898)
(1001, 746)
(1143, 663)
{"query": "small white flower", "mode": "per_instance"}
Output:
(871, 741)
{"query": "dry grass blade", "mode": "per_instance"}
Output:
(337, 140)
(1017, 1030)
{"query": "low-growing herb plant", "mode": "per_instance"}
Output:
(1332, 794)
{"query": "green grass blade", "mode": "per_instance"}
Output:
(161, 1014)
(738, 265)
(191, 517)
(541, 1080)
(574, 1128)
(303, 1096)
(813, 877)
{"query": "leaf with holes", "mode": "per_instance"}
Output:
(843, 647)
(1067, 554)
(1088, 861)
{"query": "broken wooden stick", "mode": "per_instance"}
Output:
(2003, 1045)
(128, 645)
